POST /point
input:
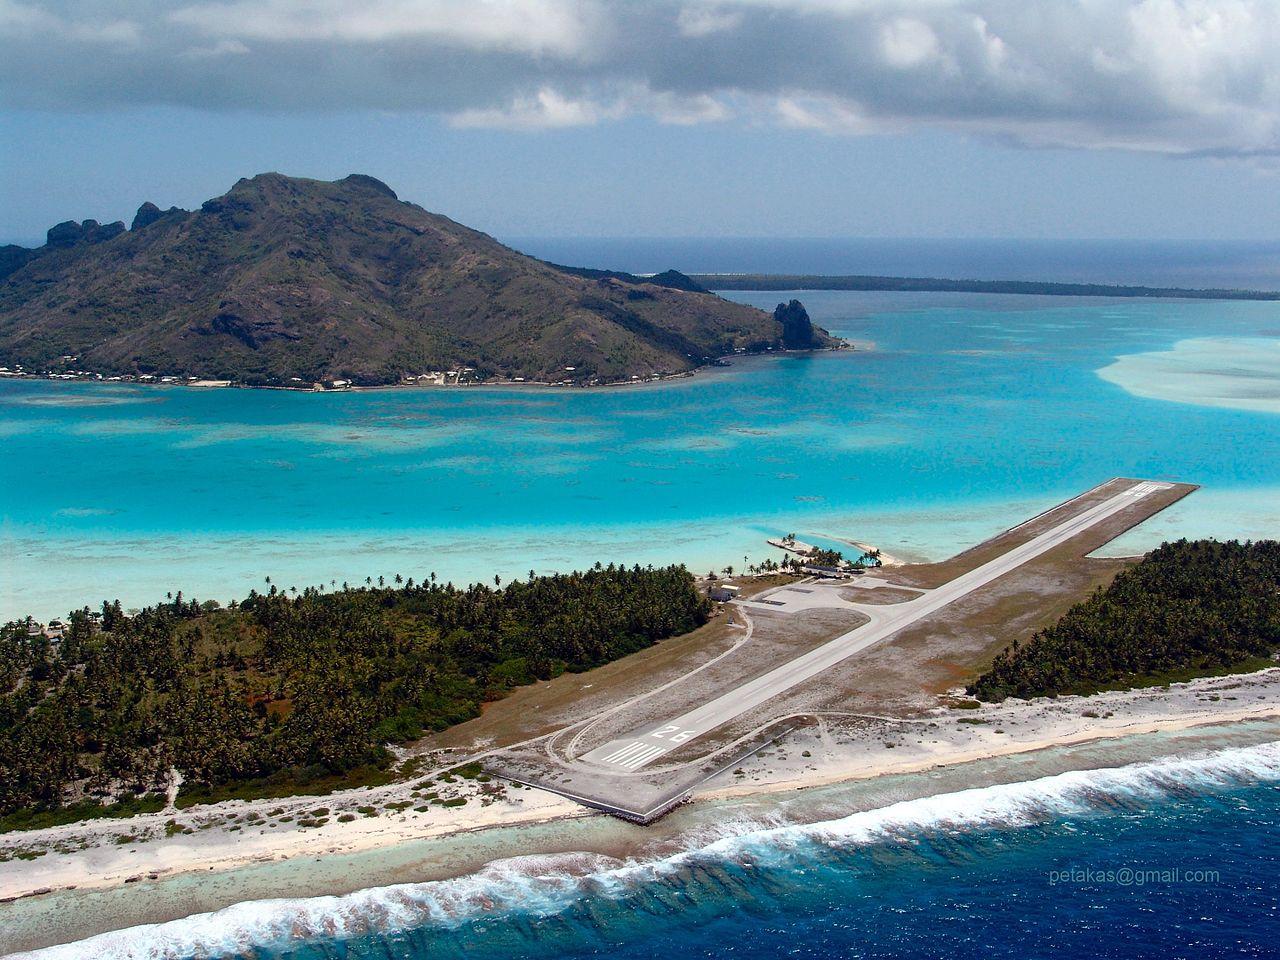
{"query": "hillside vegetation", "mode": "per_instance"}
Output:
(1189, 607)
(286, 281)
(285, 689)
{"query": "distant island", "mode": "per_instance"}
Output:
(804, 281)
(291, 282)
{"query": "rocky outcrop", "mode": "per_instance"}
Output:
(797, 328)
(369, 183)
(147, 214)
(69, 233)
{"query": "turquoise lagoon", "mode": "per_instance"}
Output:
(967, 414)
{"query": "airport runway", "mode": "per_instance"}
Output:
(632, 753)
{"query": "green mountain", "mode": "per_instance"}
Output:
(284, 280)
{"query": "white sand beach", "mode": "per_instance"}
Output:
(834, 749)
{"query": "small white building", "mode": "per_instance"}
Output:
(724, 592)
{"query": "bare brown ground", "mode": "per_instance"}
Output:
(903, 675)
(547, 706)
(879, 595)
(935, 574)
(906, 673)
(777, 639)
(900, 676)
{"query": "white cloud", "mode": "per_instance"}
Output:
(702, 21)
(683, 111)
(19, 20)
(539, 26)
(545, 109)
(549, 109)
(223, 48)
(907, 43)
(1176, 76)
(16, 18)
(825, 114)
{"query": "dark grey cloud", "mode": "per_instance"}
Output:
(1175, 76)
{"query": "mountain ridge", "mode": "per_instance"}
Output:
(283, 280)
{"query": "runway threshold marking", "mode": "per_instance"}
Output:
(635, 754)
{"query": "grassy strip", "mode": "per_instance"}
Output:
(1164, 679)
(37, 819)
(295, 782)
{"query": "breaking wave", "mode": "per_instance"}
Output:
(527, 888)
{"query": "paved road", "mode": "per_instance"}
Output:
(640, 749)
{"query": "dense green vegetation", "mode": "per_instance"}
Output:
(287, 689)
(1188, 608)
(822, 557)
(288, 281)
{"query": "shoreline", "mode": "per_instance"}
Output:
(959, 759)
(717, 363)
(271, 903)
(747, 527)
(222, 852)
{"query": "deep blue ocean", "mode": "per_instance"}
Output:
(1169, 858)
(1192, 876)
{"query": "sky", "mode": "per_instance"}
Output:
(788, 118)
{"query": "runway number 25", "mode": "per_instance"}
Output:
(672, 733)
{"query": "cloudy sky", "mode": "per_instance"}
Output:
(1036, 118)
